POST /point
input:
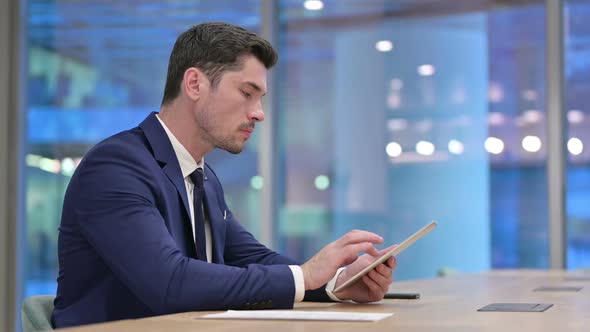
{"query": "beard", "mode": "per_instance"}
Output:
(230, 146)
(210, 132)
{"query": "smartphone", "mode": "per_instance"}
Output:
(402, 296)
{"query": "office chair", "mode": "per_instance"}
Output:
(36, 313)
(446, 271)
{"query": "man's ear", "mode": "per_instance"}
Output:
(193, 83)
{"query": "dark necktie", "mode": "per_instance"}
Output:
(198, 198)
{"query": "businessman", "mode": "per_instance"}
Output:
(145, 229)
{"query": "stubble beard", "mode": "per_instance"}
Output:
(230, 146)
(228, 143)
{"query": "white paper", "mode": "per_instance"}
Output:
(300, 315)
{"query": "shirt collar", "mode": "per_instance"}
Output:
(186, 161)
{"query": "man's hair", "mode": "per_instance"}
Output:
(214, 48)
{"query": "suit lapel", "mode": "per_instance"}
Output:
(164, 154)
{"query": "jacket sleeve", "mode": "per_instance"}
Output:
(117, 213)
(242, 249)
(249, 251)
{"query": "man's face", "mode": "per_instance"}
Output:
(229, 112)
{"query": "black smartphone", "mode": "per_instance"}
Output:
(402, 296)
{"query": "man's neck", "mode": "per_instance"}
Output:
(181, 123)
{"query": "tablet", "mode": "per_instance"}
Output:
(406, 243)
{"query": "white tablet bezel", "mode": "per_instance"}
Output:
(406, 243)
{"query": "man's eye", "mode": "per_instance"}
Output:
(246, 94)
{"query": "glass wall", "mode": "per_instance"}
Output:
(577, 88)
(517, 138)
(96, 68)
(397, 113)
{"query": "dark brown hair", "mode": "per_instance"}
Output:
(214, 48)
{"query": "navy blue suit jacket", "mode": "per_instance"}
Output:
(126, 248)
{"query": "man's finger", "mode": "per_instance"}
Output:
(386, 250)
(354, 249)
(384, 270)
(380, 280)
(374, 289)
(358, 236)
(391, 262)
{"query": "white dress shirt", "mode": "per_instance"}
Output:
(187, 166)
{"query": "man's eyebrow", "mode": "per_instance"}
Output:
(255, 87)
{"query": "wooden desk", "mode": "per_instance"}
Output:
(447, 304)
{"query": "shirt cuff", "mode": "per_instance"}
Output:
(331, 284)
(299, 282)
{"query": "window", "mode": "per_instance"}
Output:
(577, 87)
(396, 114)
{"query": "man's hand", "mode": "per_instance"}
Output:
(372, 286)
(323, 266)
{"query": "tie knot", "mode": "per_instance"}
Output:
(197, 177)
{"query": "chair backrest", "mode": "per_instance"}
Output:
(446, 271)
(36, 313)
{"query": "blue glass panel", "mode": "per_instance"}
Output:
(394, 104)
(577, 92)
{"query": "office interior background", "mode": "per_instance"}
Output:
(384, 115)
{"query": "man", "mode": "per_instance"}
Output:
(145, 229)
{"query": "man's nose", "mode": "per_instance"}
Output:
(257, 113)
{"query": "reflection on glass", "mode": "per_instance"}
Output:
(417, 118)
(393, 109)
(517, 137)
(578, 167)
